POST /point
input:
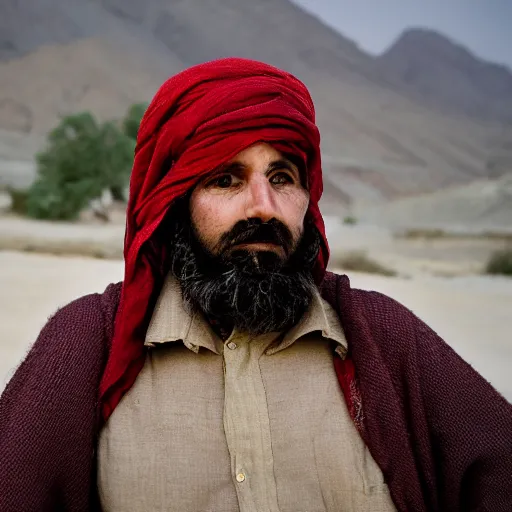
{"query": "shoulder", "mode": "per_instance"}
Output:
(383, 311)
(74, 341)
(48, 411)
(92, 306)
(373, 318)
(88, 317)
(381, 329)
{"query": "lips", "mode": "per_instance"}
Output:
(258, 246)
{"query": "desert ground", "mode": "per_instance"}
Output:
(471, 312)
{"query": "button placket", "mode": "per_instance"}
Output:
(246, 423)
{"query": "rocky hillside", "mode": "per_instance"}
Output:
(479, 207)
(380, 139)
(447, 74)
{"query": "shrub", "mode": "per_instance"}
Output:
(500, 263)
(360, 262)
(426, 233)
(18, 200)
(132, 119)
(350, 220)
(82, 160)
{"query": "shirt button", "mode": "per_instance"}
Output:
(240, 477)
(232, 345)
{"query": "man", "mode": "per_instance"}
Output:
(229, 371)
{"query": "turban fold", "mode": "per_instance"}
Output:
(197, 121)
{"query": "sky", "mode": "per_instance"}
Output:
(483, 26)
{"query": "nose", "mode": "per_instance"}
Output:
(261, 201)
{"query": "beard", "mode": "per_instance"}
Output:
(256, 292)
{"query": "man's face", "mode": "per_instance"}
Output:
(245, 255)
(261, 185)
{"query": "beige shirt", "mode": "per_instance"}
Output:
(252, 424)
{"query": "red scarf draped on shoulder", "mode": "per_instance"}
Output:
(198, 120)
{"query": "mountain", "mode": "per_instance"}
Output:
(381, 137)
(483, 206)
(448, 75)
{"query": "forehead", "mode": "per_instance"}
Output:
(263, 153)
(260, 151)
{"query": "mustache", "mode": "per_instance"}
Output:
(257, 231)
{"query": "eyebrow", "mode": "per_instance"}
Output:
(282, 163)
(230, 167)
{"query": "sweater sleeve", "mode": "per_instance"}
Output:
(48, 414)
(459, 426)
(470, 425)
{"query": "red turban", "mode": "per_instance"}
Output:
(198, 120)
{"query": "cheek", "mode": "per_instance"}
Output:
(296, 213)
(209, 218)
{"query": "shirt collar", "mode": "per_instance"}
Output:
(321, 318)
(173, 321)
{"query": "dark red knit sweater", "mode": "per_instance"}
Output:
(440, 433)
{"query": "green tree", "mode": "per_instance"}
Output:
(117, 158)
(82, 160)
(131, 122)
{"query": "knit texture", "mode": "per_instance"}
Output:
(440, 433)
